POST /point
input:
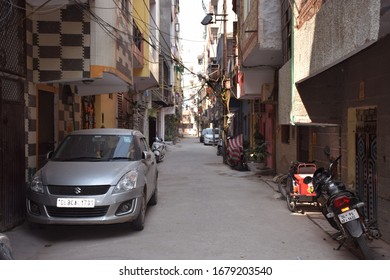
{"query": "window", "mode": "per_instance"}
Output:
(247, 8)
(286, 30)
(285, 134)
(137, 36)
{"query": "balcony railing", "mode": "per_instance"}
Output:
(158, 97)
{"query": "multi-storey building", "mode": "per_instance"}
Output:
(67, 65)
(319, 83)
(259, 59)
(222, 109)
(169, 92)
(333, 94)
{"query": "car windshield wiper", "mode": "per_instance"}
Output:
(80, 159)
(115, 158)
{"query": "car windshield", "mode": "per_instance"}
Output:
(210, 131)
(97, 148)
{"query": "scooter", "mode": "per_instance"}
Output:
(5, 248)
(159, 149)
(343, 209)
(235, 156)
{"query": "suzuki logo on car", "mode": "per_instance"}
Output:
(77, 190)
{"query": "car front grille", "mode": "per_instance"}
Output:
(98, 211)
(78, 190)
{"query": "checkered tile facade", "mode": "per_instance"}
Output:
(58, 50)
(61, 45)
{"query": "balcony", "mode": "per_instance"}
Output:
(261, 42)
(261, 48)
(161, 97)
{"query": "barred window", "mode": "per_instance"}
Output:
(286, 29)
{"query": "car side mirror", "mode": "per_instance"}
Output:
(49, 155)
(146, 155)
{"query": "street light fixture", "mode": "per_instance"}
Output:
(207, 19)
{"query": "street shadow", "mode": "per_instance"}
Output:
(56, 233)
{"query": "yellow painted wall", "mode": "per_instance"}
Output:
(106, 104)
(142, 18)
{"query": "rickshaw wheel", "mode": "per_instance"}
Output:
(291, 202)
(282, 186)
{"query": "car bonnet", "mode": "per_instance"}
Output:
(85, 173)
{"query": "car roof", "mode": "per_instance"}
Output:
(108, 131)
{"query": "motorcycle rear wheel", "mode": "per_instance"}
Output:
(363, 247)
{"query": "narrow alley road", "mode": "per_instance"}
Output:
(205, 211)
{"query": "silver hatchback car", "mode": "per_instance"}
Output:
(95, 176)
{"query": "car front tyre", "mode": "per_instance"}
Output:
(153, 200)
(139, 223)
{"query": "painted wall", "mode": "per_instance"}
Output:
(284, 97)
(106, 104)
(362, 81)
(142, 19)
(260, 33)
(339, 30)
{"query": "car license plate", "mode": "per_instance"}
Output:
(76, 202)
(348, 216)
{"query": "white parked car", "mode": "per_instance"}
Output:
(210, 135)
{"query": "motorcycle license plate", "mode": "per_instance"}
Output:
(348, 216)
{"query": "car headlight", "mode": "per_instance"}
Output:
(127, 182)
(36, 184)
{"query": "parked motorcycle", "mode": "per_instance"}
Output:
(159, 149)
(343, 209)
(5, 248)
(235, 156)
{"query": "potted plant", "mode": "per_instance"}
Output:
(258, 153)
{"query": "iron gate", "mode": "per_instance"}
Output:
(366, 160)
(12, 89)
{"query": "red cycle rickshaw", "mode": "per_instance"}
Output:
(292, 187)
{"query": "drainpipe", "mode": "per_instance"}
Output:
(292, 63)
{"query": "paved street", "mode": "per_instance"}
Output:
(205, 211)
